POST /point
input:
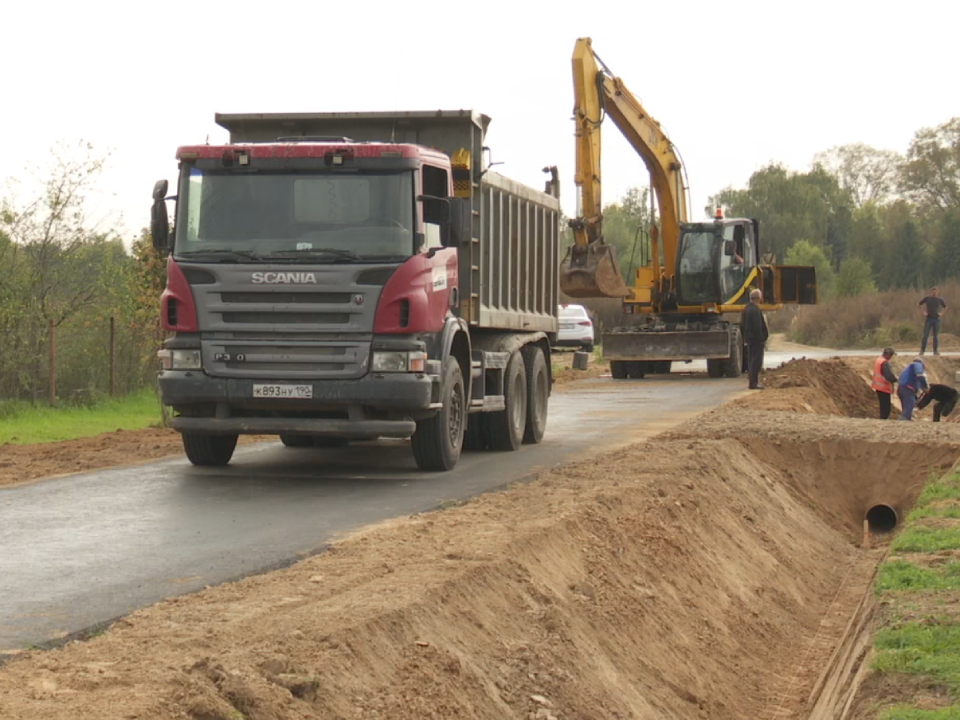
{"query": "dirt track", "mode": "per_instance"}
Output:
(705, 574)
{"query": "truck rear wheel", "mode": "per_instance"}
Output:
(505, 428)
(538, 394)
(438, 440)
(209, 450)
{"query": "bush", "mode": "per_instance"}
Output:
(871, 321)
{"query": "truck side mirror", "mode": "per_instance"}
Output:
(729, 248)
(458, 224)
(159, 222)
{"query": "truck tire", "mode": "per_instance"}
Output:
(329, 442)
(732, 365)
(538, 394)
(715, 367)
(296, 441)
(618, 368)
(475, 436)
(505, 428)
(438, 440)
(209, 450)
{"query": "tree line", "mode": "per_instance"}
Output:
(62, 269)
(868, 219)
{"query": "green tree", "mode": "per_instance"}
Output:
(904, 261)
(870, 175)
(804, 252)
(791, 207)
(931, 174)
(855, 277)
(626, 226)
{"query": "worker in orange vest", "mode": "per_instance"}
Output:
(883, 381)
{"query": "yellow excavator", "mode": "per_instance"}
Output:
(695, 275)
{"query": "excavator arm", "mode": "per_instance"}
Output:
(590, 268)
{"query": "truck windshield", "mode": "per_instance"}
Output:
(296, 216)
(697, 272)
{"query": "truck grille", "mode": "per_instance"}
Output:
(286, 318)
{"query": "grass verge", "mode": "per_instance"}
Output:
(39, 424)
(920, 629)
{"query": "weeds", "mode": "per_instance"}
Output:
(900, 575)
(27, 423)
(927, 539)
(903, 712)
(925, 649)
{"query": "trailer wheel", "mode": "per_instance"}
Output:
(209, 450)
(732, 365)
(296, 441)
(538, 394)
(438, 440)
(618, 368)
(505, 428)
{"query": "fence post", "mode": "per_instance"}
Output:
(113, 357)
(52, 389)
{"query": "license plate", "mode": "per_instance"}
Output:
(566, 326)
(301, 392)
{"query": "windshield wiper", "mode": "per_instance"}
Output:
(336, 253)
(222, 255)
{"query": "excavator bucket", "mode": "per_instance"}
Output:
(592, 271)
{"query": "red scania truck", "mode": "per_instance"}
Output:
(334, 277)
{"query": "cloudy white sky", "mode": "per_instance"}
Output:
(736, 83)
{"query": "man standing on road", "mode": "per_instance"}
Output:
(883, 381)
(946, 398)
(932, 307)
(912, 381)
(755, 334)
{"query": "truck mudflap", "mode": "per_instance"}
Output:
(672, 345)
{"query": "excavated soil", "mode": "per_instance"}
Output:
(22, 463)
(714, 572)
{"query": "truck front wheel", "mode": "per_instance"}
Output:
(505, 428)
(439, 439)
(209, 450)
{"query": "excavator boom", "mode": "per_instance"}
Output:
(590, 268)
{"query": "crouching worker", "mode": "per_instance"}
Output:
(912, 382)
(883, 381)
(945, 398)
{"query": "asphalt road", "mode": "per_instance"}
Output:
(82, 550)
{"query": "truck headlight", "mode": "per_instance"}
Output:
(180, 359)
(414, 361)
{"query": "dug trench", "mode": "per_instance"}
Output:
(711, 572)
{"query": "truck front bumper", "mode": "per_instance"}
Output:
(376, 405)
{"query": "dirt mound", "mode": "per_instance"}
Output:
(823, 387)
(21, 463)
(675, 579)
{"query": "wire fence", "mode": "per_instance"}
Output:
(77, 362)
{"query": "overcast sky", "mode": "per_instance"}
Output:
(736, 84)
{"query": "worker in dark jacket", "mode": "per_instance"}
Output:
(912, 381)
(946, 399)
(883, 381)
(755, 335)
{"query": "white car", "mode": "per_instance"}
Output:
(576, 328)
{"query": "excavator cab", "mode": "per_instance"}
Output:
(592, 270)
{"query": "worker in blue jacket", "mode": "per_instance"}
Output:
(912, 382)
